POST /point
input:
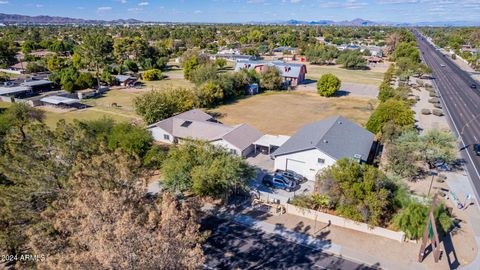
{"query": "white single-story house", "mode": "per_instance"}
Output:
(320, 144)
(198, 125)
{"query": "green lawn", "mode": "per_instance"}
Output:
(314, 72)
(167, 83)
(123, 99)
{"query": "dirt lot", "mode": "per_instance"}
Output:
(347, 89)
(286, 112)
(373, 76)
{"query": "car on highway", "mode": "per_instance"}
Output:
(442, 166)
(476, 149)
(473, 86)
(291, 175)
(279, 182)
(442, 65)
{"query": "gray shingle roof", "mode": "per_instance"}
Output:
(336, 136)
(196, 124)
(242, 136)
(286, 69)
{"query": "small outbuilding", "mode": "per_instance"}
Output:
(38, 85)
(63, 102)
(15, 91)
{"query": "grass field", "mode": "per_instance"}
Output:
(285, 113)
(123, 98)
(51, 118)
(375, 77)
(171, 82)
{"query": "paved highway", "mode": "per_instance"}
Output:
(234, 246)
(461, 103)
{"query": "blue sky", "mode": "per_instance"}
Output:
(251, 10)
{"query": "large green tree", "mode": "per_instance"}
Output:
(209, 94)
(351, 59)
(393, 110)
(407, 152)
(96, 50)
(359, 192)
(270, 78)
(205, 170)
(7, 54)
(413, 219)
(328, 85)
(157, 105)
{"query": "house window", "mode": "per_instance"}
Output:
(321, 160)
(166, 137)
(233, 151)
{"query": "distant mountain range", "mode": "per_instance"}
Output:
(55, 20)
(362, 22)
(23, 19)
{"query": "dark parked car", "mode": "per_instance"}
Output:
(291, 175)
(278, 181)
(476, 149)
(473, 86)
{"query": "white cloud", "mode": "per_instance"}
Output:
(398, 1)
(38, 5)
(104, 9)
(198, 12)
(354, 4)
(135, 9)
(143, 4)
(3, 2)
(295, 1)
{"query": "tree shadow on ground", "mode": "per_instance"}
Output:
(234, 246)
(342, 93)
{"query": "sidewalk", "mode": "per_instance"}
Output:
(460, 184)
(463, 248)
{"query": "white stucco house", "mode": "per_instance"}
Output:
(320, 144)
(198, 125)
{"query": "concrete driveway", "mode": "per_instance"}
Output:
(265, 165)
(261, 162)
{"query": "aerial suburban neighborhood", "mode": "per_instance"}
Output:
(240, 134)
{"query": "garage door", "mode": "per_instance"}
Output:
(296, 166)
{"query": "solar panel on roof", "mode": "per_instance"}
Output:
(186, 124)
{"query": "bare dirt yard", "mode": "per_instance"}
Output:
(286, 112)
(372, 76)
(347, 89)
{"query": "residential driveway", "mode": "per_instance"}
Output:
(262, 162)
(265, 165)
(347, 89)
